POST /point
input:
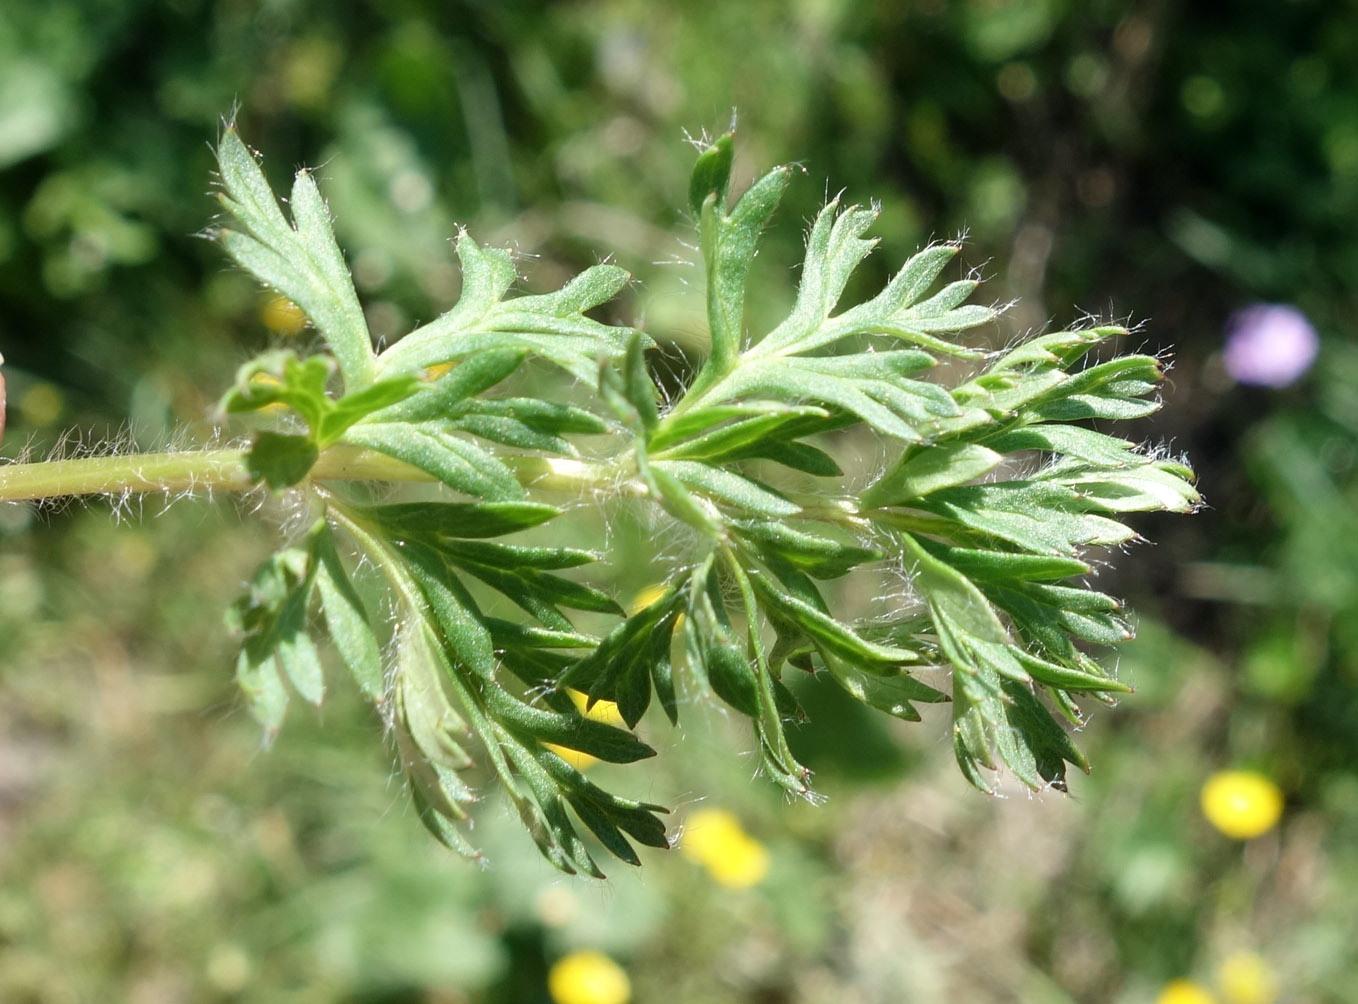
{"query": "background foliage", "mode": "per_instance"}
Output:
(1139, 161)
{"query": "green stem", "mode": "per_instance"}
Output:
(196, 470)
(228, 470)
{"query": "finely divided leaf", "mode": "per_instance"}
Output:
(302, 260)
(552, 326)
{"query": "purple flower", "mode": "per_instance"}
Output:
(1269, 345)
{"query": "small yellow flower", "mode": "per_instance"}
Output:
(1245, 978)
(715, 839)
(650, 595)
(647, 596)
(1184, 992)
(41, 405)
(602, 711)
(281, 316)
(1241, 804)
(588, 978)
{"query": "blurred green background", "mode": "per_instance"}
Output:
(1153, 162)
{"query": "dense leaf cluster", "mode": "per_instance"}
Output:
(992, 502)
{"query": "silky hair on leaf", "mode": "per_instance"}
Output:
(424, 464)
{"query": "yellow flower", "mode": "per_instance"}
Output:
(602, 711)
(281, 316)
(1184, 992)
(1241, 804)
(649, 595)
(588, 978)
(41, 405)
(1245, 978)
(715, 839)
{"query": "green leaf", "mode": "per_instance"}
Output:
(295, 650)
(762, 432)
(551, 326)
(280, 461)
(359, 405)
(819, 556)
(1043, 609)
(1038, 516)
(834, 639)
(713, 649)
(891, 694)
(894, 407)
(280, 377)
(798, 456)
(992, 693)
(540, 416)
(460, 519)
(607, 815)
(712, 175)
(271, 618)
(926, 469)
(1148, 487)
(1111, 390)
(1081, 675)
(262, 688)
(680, 426)
(953, 598)
(538, 656)
(1048, 745)
(721, 660)
(639, 388)
(834, 248)
(427, 714)
(573, 731)
(443, 397)
(517, 573)
(631, 659)
(516, 556)
(1061, 349)
(1095, 448)
(679, 502)
(545, 815)
(734, 441)
(630, 392)
(1004, 566)
(512, 432)
(916, 277)
(729, 244)
(452, 609)
(302, 260)
(345, 617)
(432, 448)
(728, 488)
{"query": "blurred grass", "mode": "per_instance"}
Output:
(1142, 160)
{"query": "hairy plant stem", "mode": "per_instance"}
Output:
(228, 470)
(191, 470)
